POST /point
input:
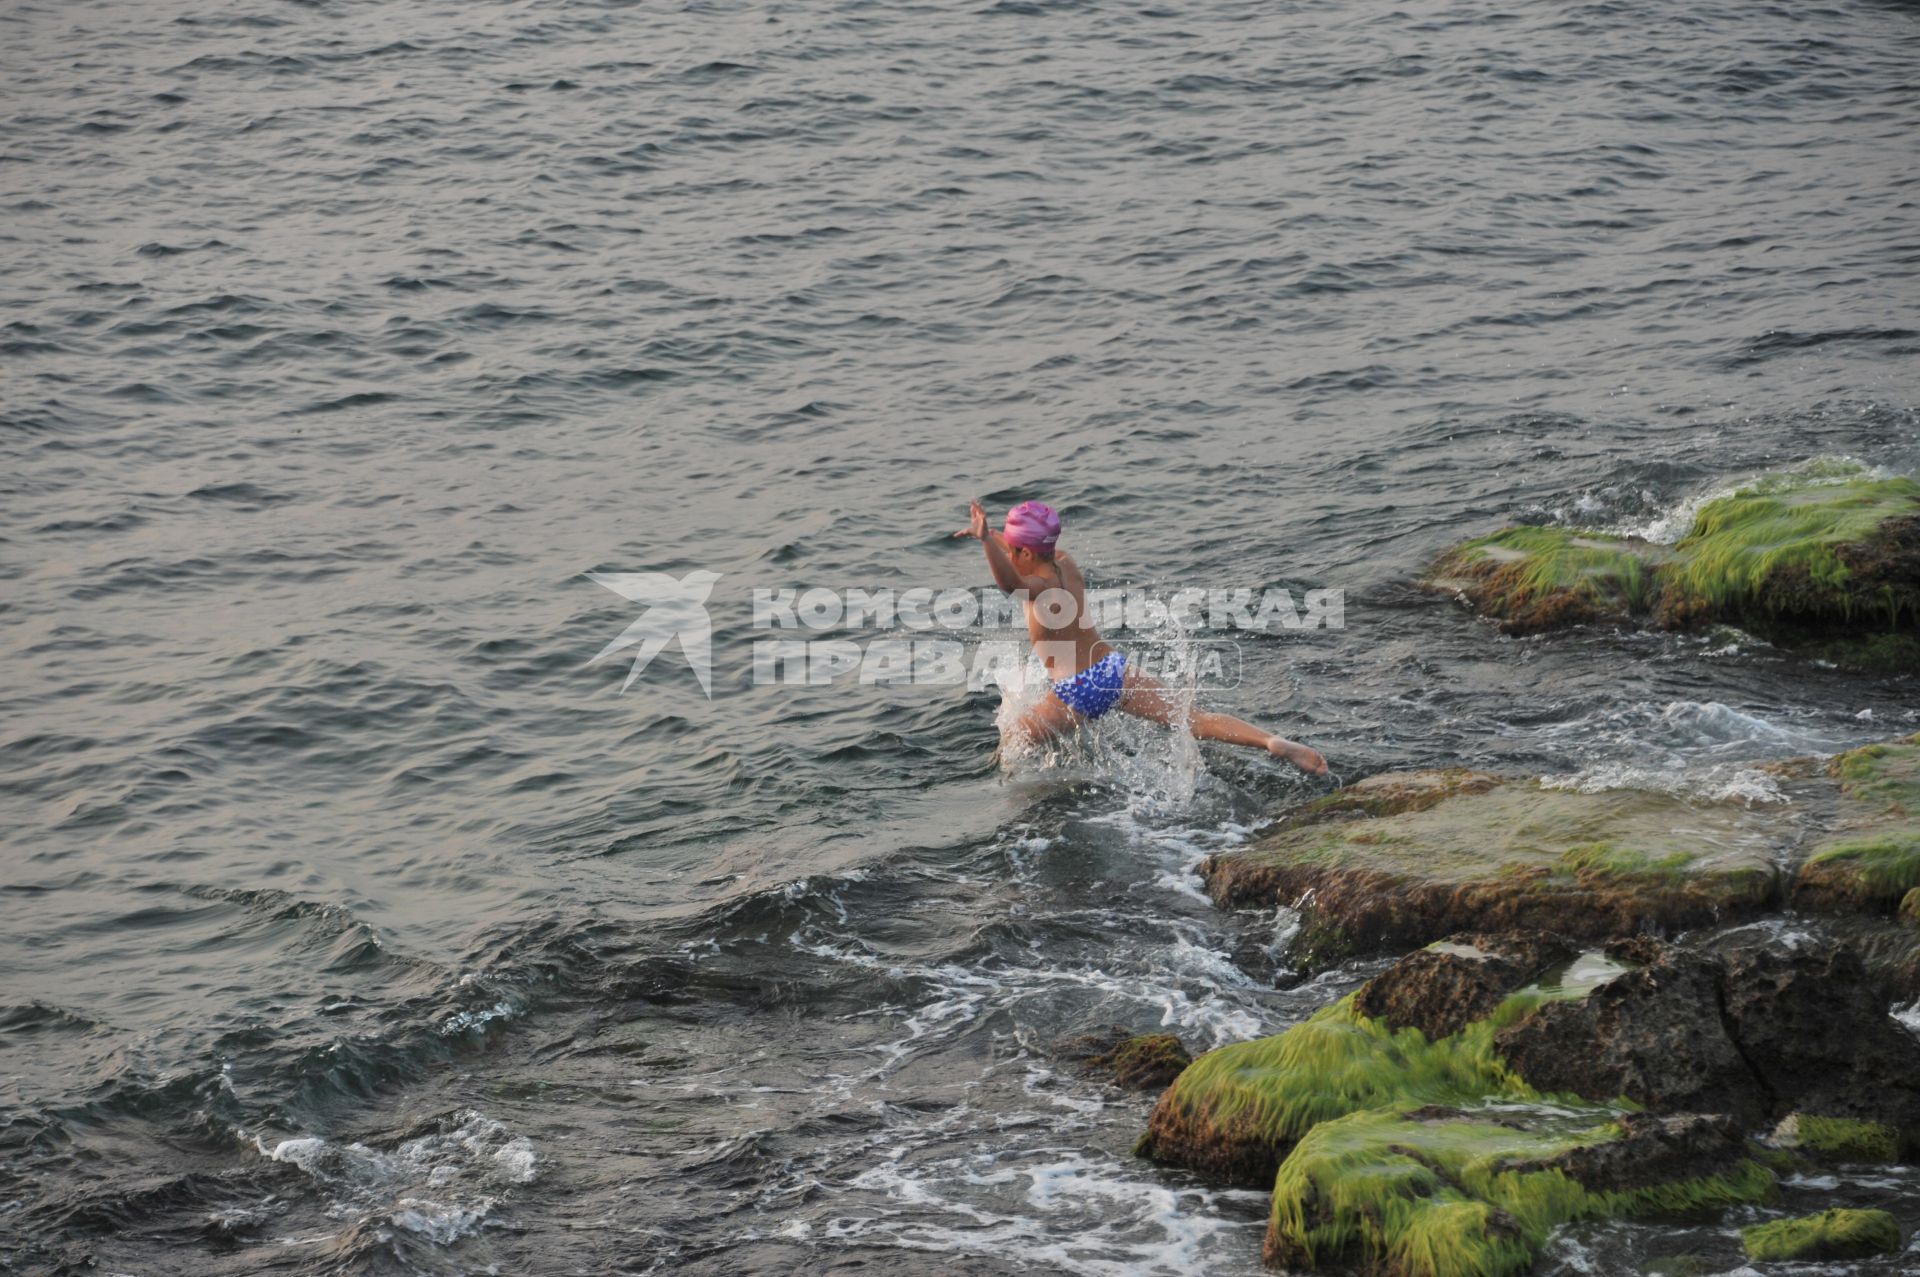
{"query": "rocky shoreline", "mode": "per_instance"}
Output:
(1445, 1118)
(1543, 1056)
(1547, 1053)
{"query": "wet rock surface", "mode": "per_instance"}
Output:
(1756, 1033)
(1136, 1061)
(1441, 990)
(1655, 1148)
(1655, 1036)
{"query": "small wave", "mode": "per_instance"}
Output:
(1722, 784)
(1080, 1214)
(1690, 737)
(466, 1163)
(1670, 524)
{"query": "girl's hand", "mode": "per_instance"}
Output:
(977, 525)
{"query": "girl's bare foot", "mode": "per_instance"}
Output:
(1307, 760)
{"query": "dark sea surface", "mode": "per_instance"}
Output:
(353, 921)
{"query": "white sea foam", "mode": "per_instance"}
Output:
(465, 1167)
(1075, 1213)
(1676, 520)
(479, 1017)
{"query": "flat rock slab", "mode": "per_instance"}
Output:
(1399, 860)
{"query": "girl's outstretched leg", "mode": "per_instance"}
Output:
(1148, 697)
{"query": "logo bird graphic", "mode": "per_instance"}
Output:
(675, 609)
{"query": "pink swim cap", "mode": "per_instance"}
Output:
(1033, 525)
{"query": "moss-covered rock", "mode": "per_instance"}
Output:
(1808, 550)
(1387, 1151)
(1832, 1234)
(1588, 1089)
(1910, 908)
(1871, 861)
(1449, 985)
(1400, 860)
(1681, 1266)
(1147, 1062)
(1446, 1193)
(1825, 558)
(1396, 793)
(1237, 1111)
(1532, 578)
(1873, 873)
(1115, 1053)
(1840, 1139)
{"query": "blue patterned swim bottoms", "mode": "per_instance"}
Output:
(1095, 689)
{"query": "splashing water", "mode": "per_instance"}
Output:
(1158, 767)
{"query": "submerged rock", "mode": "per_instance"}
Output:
(1399, 860)
(1825, 559)
(1147, 1062)
(1832, 1234)
(1137, 1061)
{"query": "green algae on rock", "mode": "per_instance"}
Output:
(1442, 989)
(1117, 1054)
(1236, 1111)
(1872, 861)
(1446, 1117)
(1447, 1193)
(1801, 551)
(1389, 1151)
(1402, 859)
(1824, 559)
(1147, 1062)
(1843, 1139)
(1832, 1234)
(1533, 578)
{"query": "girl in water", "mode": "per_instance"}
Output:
(1089, 676)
